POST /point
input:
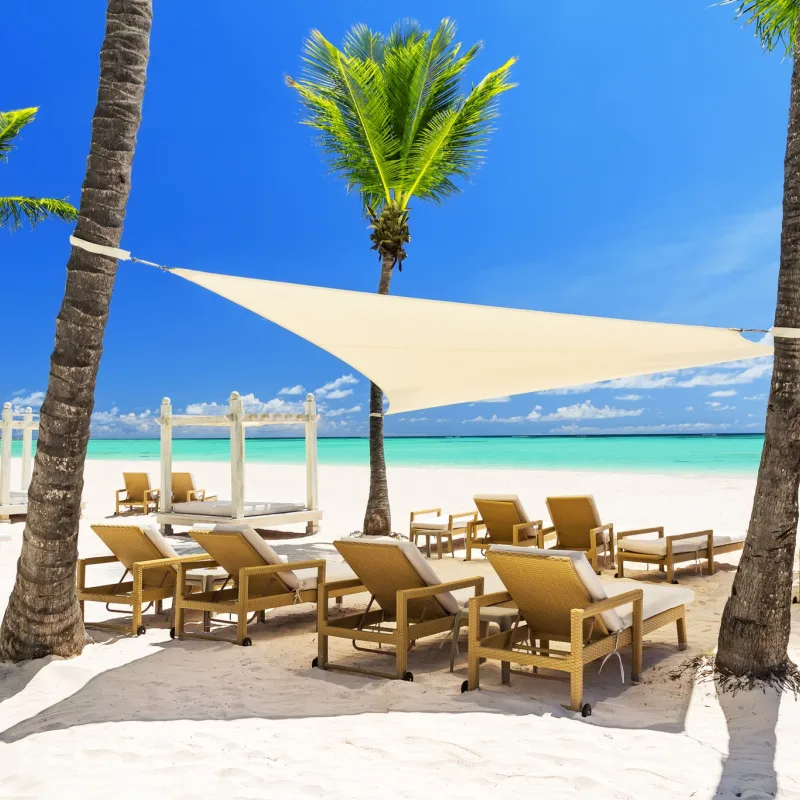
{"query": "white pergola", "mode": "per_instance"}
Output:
(15, 502)
(238, 509)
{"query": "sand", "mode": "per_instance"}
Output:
(196, 718)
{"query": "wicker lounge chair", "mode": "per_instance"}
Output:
(412, 603)
(439, 527)
(577, 526)
(260, 580)
(147, 556)
(183, 489)
(560, 599)
(667, 551)
(137, 493)
(503, 521)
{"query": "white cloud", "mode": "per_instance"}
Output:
(724, 393)
(504, 399)
(757, 397)
(717, 406)
(112, 422)
(735, 373)
(682, 427)
(690, 408)
(629, 397)
(495, 418)
(251, 405)
(344, 380)
(338, 412)
(297, 389)
(586, 410)
(34, 400)
(338, 394)
(417, 419)
(442, 419)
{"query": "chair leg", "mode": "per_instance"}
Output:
(576, 688)
(681, 625)
(401, 656)
(468, 549)
(439, 546)
(670, 572)
(620, 566)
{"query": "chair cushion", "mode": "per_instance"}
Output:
(258, 544)
(224, 508)
(655, 599)
(334, 571)
(153, 533)
(585, 572)
(420, 565)
(432, 524)
(658, 547)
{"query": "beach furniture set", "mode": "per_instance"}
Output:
(15, 502)
(139, 495)
(549, 596)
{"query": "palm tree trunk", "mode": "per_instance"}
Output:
(43, 616)
(378, 517)
(755, 624)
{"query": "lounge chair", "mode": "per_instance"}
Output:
(439, 527)
(261, 580)
(560, 599)
(137, 493)
(577, 526)
(667, 551)
(184, 491)
(148, 557)
(412, 603)
(503, 521)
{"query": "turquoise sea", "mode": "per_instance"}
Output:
(725, 455)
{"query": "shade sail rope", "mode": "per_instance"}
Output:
(428, 353)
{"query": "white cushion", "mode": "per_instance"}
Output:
(654, 600)
(505, 498)
(585, 572)
(431, 524)
(258, 544)
(334, 571)
(423, 569)
(658, 547)
(224, 508)
(153, 533)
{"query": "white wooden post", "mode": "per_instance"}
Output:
(237, 456)
(5, 455)
(165, 494)
(27, 447)
(312, 497)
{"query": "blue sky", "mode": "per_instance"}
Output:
(636, 172)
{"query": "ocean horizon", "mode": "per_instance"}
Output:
(720, 454)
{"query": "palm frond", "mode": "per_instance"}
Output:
(15, 210)
(11, 123)
(453, 142)
(362, 43)
(775, 21)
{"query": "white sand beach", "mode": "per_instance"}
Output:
(196, 718)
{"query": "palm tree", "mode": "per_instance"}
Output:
(43, 616)
(395, 125)
(34, 209)
(756, 621)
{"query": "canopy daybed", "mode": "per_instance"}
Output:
(13, 503)
(237, 509)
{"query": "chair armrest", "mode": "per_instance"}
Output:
(473, 525)
(473, 514)
(171, 562)
(415, 514)
(191, 494)
(152, 494)
(695, 534)
(543, 533)
(493, 599)
(344, 583)
(120, 492)
(659, 530)
(266, 569)
(98, 560)
(517, 529)
(209, 564)
(593, 609)
(404, 595)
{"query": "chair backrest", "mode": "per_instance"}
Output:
(182, 484)
(500, 512)
(547, 584)
(386, 565)
(573, 517)
(236, 546)
(136, 484)
(134, 543)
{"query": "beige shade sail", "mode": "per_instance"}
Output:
(426, 353)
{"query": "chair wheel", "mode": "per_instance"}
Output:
(140, 630)
(172, 633)
(315, 662)
(408, 676)
(674, 581)
(247, 642)
(794, 600)
(616, 574)
(586, 710)
(464, 687)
